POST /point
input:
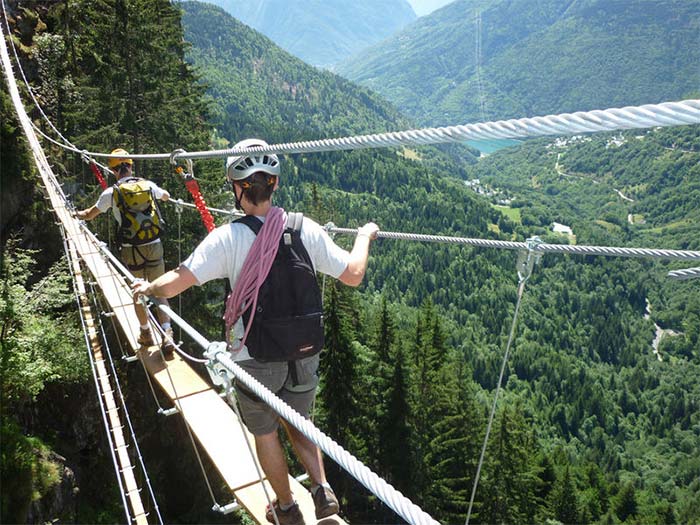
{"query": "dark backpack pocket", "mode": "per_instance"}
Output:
(287, 338)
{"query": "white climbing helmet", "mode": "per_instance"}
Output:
(243, 166)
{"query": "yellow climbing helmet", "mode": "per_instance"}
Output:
(113, 162)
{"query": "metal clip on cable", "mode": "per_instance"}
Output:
(528, 259)
(189, 174)
(219, 374)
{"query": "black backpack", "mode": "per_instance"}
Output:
(288, 322)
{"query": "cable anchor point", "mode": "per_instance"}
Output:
(527, 259)
(219, 375)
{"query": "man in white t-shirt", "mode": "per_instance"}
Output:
(143, 259)
(221, 255)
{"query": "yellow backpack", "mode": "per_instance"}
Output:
(140, 218)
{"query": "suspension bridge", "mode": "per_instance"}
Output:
(209, 408)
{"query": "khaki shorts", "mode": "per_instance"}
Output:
(144, 262)
(277, 377)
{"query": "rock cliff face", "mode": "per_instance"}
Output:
(62, 498)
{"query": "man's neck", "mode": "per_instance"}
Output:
(259, 210)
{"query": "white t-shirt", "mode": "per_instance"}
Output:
(222, 254)
(104, 202)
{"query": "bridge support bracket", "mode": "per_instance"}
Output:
(225, 509)
(168, 411)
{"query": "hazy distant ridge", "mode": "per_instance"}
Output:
(322, 32)
(537, 57)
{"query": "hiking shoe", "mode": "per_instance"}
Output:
(168, 344)
(291, 516)
(325, 502)
(145, 337)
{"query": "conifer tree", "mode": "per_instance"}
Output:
(455, 445)
(425, 384)
(386, 405)
(339, 376)
(565, 499)
(627, 505)
(509, 485)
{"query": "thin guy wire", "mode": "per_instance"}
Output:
(179, 262)
(181, 411)
(115, 332)
(231, 398)
(521, 288)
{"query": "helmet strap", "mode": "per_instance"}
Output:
(235, 196)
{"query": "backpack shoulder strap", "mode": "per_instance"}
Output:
(252, 222)
(117, 194)
(128, 179)
(294, 221)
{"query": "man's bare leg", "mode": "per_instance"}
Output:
(308, 453)
(274, 464)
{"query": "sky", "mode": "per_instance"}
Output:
(423, 7)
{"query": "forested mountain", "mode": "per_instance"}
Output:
(593, 426)
(478, 60)
(322, 32)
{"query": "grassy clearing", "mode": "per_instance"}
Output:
(512, 213)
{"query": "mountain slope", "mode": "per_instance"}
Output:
(257, 86)
(537, 57)
(322, 32)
